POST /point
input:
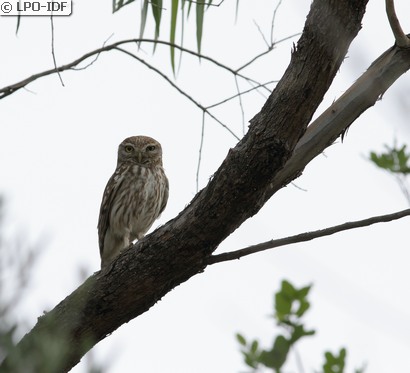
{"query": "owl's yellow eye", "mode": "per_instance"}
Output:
(128, 149)
(151, 148)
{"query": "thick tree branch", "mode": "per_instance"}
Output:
(240, 187)
(402, 41)
(307, 236)
(335, 121)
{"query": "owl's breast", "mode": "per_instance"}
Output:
(147, 191)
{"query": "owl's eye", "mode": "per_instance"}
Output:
(151, 148)
(128, 148)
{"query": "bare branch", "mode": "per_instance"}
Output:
(189, 97)
(270, 48)
(240, 104)
(261, 33)
(307, 236)
(272, 26)
(252, 60)
(402, 40)
(364, 93)
(94, 59)
(200, 152)
(6, 91)
(241, 93)
(52, 50)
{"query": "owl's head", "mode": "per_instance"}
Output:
(141, 150)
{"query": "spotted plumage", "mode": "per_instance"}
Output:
(135, 196)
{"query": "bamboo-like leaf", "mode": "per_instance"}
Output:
(236, 10)
(118, 4)
(182, 31)
(200, 10)
(18, 23)
(156, 6)
(189, 8)
(144, 12)
(174, 15)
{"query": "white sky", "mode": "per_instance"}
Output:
(58, 148)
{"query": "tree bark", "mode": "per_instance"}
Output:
(240, 187)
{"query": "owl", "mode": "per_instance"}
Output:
(135, 195)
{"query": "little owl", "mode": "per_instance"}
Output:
(134, 197)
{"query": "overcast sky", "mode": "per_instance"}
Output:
(58, 148)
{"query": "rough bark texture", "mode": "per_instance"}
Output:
(240, 187)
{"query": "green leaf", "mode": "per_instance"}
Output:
(174, 15)
(118, 4)
(241, 339)
(236, 10)
(303, 307)
(276, 357)
(189, 8)
(334, 363)
(200, 10)
(254, 346)
(250, 362)
(303, 293)
(283, 306)
(394, 160)
(144, 12)
(156, 7)
(299, 332)
(288, 289)
(18, 23)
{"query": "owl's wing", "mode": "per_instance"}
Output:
(165, 196)
(110, 191)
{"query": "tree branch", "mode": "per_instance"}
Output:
(307, 236)
(180, 249)
(182, 92)
(10, 89)
(335, 121)
(402, 40)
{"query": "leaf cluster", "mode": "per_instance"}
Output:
(177, 7)
(394, 159)
(290, 305)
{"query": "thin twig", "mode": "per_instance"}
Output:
(262, 34)
(52, 50)
(95, 58)
(189, 97)
(307, 236)
(270, 48)
(252, 60)
(402, 40)
(241, 93)
(272, 25)
(401, 180)
(240, 104)
(201, 145)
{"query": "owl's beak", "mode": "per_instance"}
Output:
(139, 157)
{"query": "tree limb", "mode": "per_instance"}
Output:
(175, 252)
(10, 89)
(402, 40)
(307, 236)
(336, 120)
